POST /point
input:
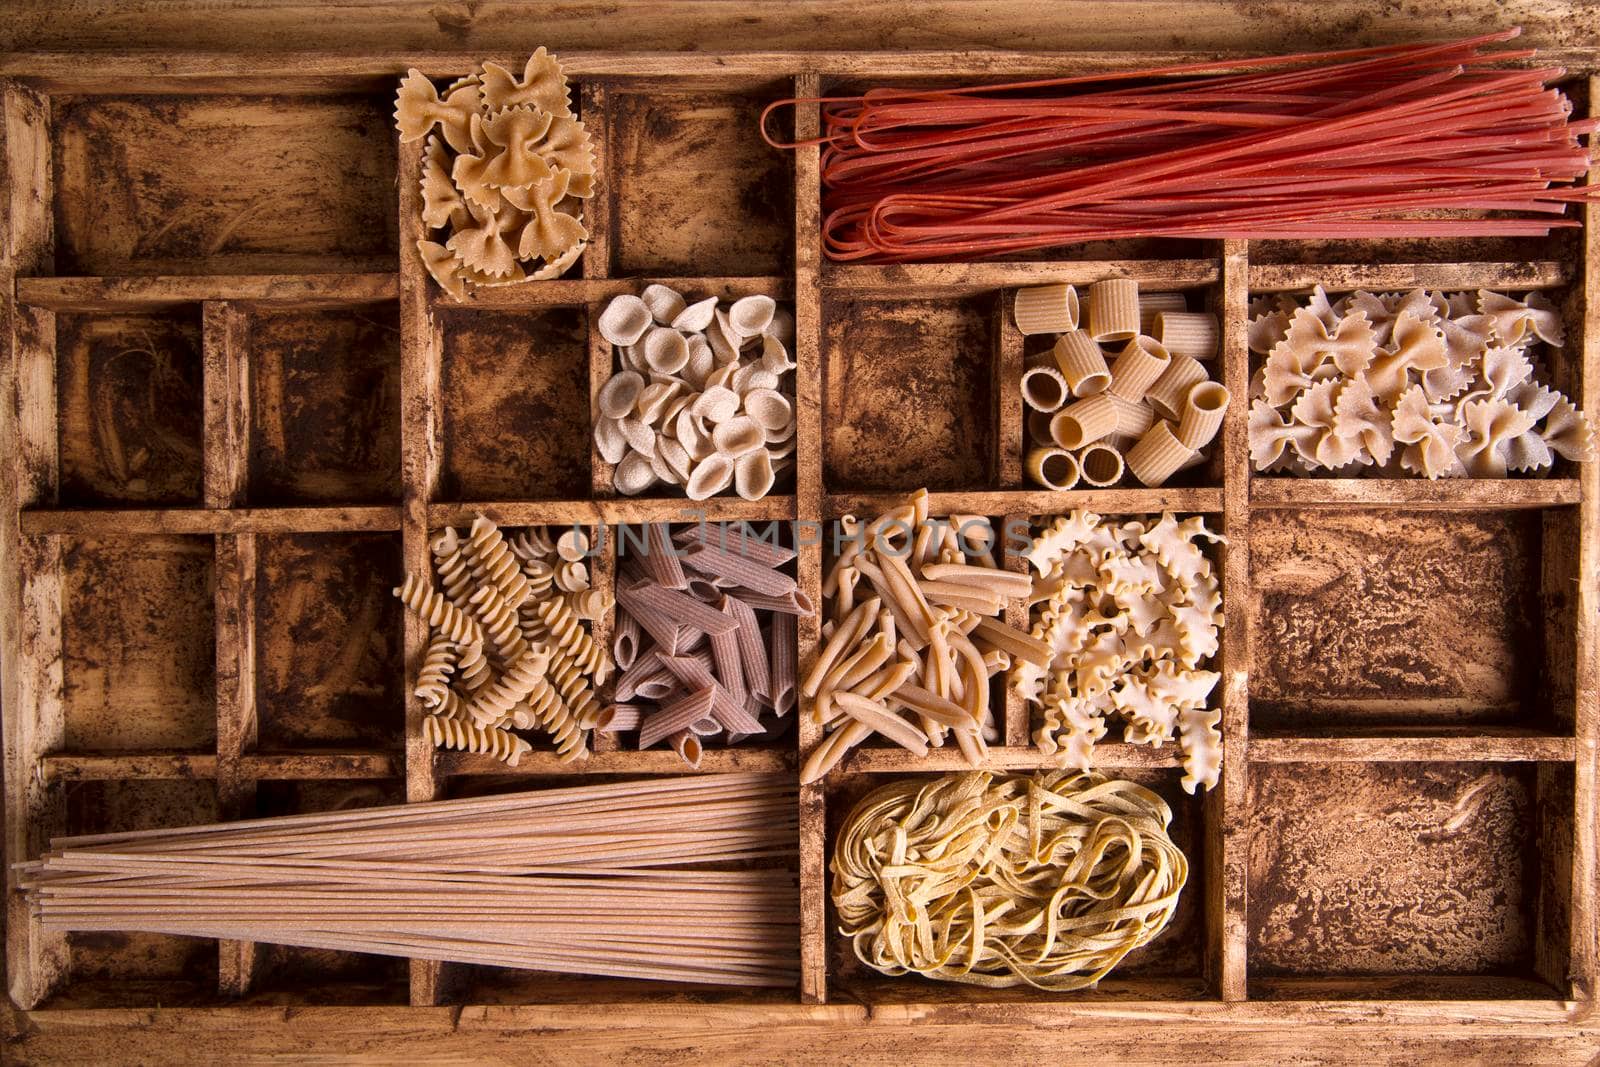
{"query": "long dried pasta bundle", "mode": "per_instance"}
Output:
(912, 637)
(627, 879)
(1047, 880)
(1442, 385)
(510, 622)
(1151, 409)
(1129, 612)
(705, 635)
(702, 397)
(504, 178)
(1426, 139)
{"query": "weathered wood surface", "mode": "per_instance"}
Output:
(458, 405)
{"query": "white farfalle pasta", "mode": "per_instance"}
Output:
(1129, 612)
(1432, 384)
(698, 393)
(1073, 400)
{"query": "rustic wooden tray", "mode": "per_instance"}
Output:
(235, 420)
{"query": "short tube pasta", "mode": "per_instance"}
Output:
(1193, 334)
(1100, 465)
(1084, 422)
(1203, 411)
(1082, 363)
(1053, 468)
(1141, 362)
(1113, 310)
(1170, 390)
(1158, 455)
(1044, 388)
(1046, 309)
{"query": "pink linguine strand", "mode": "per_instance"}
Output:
(1434, 139)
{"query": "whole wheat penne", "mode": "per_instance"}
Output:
(1004, 583)
(707, 727)
(625, 641)
(745, 573)
(646, 666)
(678, 608)
(733, 715)
(782, 663)
(793, 603)
(681, 714)
(844, 637)
(660, 561)
(729, 669)
(688, 748)
(878, 717)
(1014, 642)
(658, 686)
(826, 756)
(623, 717)
(752, 654)
(738, 538)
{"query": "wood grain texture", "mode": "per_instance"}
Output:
(1392, 869)
(227, 405)
(163, 291)
(970, 279)
(510, 429)
(908, 395)
(128, 388)
(93, 522)
(691, 196)
(808, 25)
(1374, 618)
(237, 722)
(174, 185)
(324, 406)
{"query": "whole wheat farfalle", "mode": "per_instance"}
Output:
(1438, 385)
(506, 168)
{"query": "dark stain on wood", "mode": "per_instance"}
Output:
(908, 396)
(329, 668)
(223, 184)
(325, 406)
(516, 408)
(129, 391)
(697, 192)
(1392, 869)
(1389, 618)
(138, 644)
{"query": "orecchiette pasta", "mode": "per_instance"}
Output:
(1423, 383)
(698, 392)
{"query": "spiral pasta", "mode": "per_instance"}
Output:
(444, 617)
(467, 737)
(500, 621)
(493, 705)
(551, 714)
(433, 679)
(1000, 881)
(567, 634)
(492, 561)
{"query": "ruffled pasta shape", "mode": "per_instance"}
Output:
(506, 181)
(1446, 386)
(1131, 612)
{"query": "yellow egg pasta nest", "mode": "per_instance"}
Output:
(1130, 611)
(505, 170)
(1420, 383)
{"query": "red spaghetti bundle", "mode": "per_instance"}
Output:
(1404, 140)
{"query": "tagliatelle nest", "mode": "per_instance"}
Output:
(504, 177)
